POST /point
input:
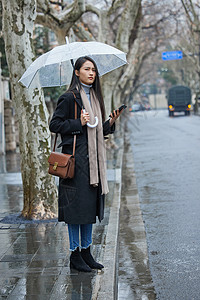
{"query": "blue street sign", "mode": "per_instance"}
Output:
(172, 55)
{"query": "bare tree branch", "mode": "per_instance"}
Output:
(59, 22)
(82, 32)
(186, 11)
(115, 5)
(93, 9)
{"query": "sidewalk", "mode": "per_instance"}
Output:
(34, 257)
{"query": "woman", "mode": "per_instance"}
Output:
(81, 199)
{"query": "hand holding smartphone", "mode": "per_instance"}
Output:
(123, 106)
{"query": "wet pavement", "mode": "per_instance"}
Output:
(167, 160)
(34, 257)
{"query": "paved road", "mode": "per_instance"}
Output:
(167, 164)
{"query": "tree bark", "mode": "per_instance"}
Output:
(40, 192)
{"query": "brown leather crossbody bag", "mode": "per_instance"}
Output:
(61, 164)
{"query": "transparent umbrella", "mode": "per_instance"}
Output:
(54, 68)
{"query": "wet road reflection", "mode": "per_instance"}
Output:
(167, 159)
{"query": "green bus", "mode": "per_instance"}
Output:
(179, 99)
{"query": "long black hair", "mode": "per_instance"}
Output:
(75, 82)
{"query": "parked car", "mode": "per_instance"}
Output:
(146, 105)
(135, 107)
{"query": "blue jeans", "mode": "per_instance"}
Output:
(86, 235)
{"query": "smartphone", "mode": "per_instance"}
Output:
(123, 106)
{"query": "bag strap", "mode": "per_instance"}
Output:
(74, 144)
(54, 146)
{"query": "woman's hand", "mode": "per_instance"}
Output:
(84, 118)
(114, 116)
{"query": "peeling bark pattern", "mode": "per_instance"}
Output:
(40, 192)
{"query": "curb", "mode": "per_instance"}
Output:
(133, 247)
(106, 285)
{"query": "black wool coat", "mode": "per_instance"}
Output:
(78, 201)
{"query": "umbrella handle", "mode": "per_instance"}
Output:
(92, 125)
(95, 124)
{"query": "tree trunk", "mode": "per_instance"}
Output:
(40, 192)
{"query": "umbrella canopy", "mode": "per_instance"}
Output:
(54, 68)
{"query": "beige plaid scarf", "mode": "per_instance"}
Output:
(96, 144)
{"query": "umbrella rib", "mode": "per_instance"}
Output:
(32, 79)
(60, 73)
(120, 58)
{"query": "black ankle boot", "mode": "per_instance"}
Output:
(77, 262)
(87, 257)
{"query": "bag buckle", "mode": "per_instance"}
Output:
(55, 166)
